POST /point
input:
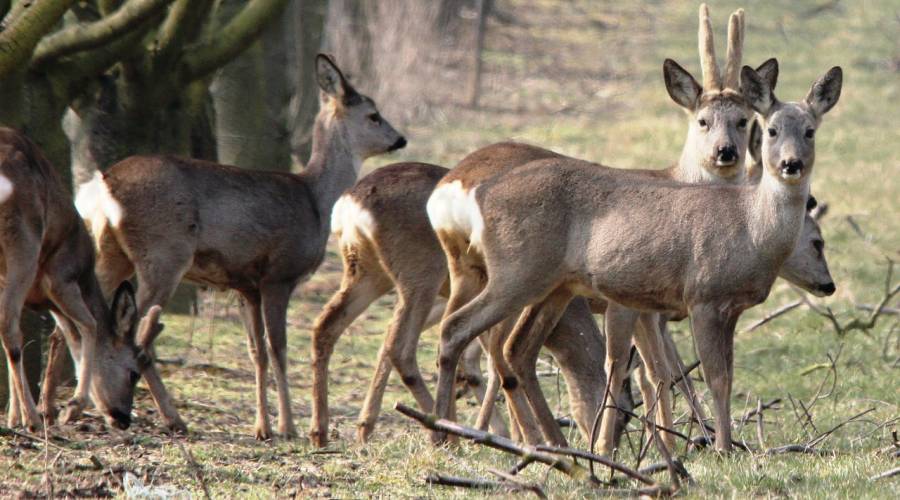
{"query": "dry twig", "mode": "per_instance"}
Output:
(772, 315)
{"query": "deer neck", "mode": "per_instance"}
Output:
(332, 166)
(776, 216)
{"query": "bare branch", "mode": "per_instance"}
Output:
(462, 482)
(180, 27)
(231, 40)
(884, 475)
(89, 36)
(772, 315)
(25, 30)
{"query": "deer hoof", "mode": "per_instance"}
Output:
(177, 427)
(318, 437)
(49, 413)
(364, 431)
(72, 412)
(263, 434)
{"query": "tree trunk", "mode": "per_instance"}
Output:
(480, 28)
(308, 28)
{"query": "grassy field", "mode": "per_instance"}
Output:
(584, 79)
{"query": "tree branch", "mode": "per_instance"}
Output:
(25, 30)
(180, 28)
(223, 46)
(89, 36)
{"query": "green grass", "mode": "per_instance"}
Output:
(584, 79)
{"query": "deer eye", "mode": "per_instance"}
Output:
(375, 118)
(772, 132)
(742, 123)
(702, 122)
(810, 133)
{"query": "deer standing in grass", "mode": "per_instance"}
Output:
(386, 243)
(47, 262)
(714, 151)
(260, 233)
(555, 229)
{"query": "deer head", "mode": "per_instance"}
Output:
(362, 125)
(121, 358)
(715, 148)
(789, 128)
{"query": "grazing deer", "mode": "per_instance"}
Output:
(386, 243)
(714, 150)
(559, 228)
(260, 233)
(47, 262)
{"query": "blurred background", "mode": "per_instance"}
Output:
(95, 81)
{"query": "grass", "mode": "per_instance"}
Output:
(585, 80)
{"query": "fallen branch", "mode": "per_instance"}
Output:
(796, 448)
(765, 406)
(772, 315)
(575, 452)
(517, 484)
(431, 422)
(884, 475)
(462, 482)
(197, 470)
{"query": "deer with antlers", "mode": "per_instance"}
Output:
(260, 233)
(555, 229)
(47, 262)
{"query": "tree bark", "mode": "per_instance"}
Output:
(309, 24)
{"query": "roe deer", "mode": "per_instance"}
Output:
(714, 150)
(558, 228)
(260, 233)
(386, 242)
(47, 262)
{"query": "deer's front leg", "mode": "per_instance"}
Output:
(714, 336)
(56, 359)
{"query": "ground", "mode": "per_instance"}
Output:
(585, 79)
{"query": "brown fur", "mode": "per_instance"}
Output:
(47, 262)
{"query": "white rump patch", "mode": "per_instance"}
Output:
(452, 209)
(350, 221)
(6, 188)
(96, 205)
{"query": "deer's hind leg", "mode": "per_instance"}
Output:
(275, 298)
(361, 284)
(158, 275)
(21, 270)
(522, 348)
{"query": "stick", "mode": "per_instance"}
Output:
(759, 425)
(765, 406)
(772, 315)
(462, 482)
(796, 448)
(893, 472)
(493, 441)
(518, 484)
(574, 452)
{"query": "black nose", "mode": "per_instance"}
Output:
(792, 166)
(827, 288)
(726, 154)
(120, 419)
(400, 144)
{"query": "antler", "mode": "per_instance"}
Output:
(712, 80)
(735, 50)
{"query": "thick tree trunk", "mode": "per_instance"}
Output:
(309, 25)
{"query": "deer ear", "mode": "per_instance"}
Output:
(329, 77)
(825, 93)
(769, 72)
(124, 311)
(682, 87)
(757, 91)
(755, 144)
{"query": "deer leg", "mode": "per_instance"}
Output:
(157, 284)
(684, 384)
(522, 418)
(356, 293)
(714, 336)
(56, 359)
(113, 265)
(251, 315)
(522, 350)
(649, 343)
(486, 396)
(21, 269)
(499, 299)
(68, 299)
(620, 324)
(579, 348)
(275, 298)
(14, 412)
